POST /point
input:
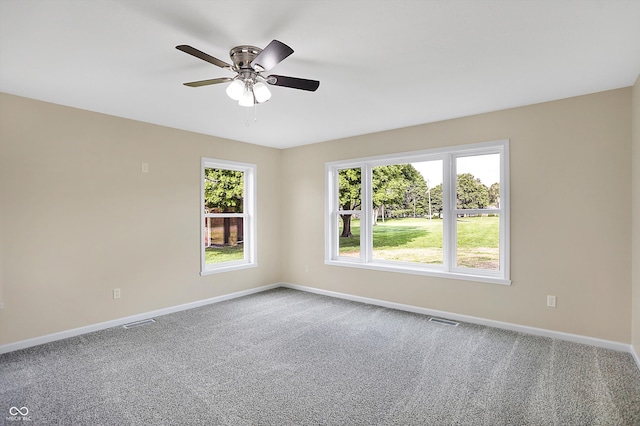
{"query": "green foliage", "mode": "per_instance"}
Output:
(471, 193)
(350, 188)
(436, 200)
(394, 186)
(402, 190)
(223, 190)
(494, 194)
(398, 186)
(399, 190)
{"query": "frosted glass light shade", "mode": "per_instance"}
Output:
(261, 92)
(235, 89)
(246, 100)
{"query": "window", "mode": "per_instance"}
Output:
(442, 212)
(228, 216)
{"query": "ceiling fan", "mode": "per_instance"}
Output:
(249, 62)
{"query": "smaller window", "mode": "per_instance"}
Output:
(228, 216)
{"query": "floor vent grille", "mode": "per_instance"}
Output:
(444, 321)
(139, 323)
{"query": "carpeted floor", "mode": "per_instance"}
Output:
(285, 357)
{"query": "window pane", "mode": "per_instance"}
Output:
(429, 200)
(349, 189)
(223, 239)
(478, 181)
(349, 235)
(223, 191)
(408, 240)
(405, 203)
(478, 242)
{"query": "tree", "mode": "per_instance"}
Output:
(349, 196)
(471, 193)
(223, 193)
(436, 200)
(416, 197)
(388, 188)
(494, 195)
(397, 187)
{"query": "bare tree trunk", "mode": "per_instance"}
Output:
(240, 229)
(346, 225)
(227, 230)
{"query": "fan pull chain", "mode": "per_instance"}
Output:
(248, 120)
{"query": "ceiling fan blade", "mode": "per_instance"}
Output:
(201, 55)
(208, 82)
(272, 55)
(293, 82)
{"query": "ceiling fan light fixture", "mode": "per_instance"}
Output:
(246, 100)
(235, 90)
(261, 92)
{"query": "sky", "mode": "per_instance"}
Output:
(484, 167)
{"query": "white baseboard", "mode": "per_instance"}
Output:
(576, 338)
(10, 347)
(636, 357)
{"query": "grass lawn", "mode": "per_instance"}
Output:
(218, 252)
(223, 253)
(419, 240)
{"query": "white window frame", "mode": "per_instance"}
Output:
(248, 215)
(447, 269)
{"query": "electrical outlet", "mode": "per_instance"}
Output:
(145, 167)
(551, 301)
(116, 293)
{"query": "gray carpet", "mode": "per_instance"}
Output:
(285, 357)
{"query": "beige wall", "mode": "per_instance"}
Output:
(79, 218)
(636, 215)
(570, 217)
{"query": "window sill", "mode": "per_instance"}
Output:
(228, 268)
(416, 270)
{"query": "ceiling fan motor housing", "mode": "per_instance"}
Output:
(241, 56)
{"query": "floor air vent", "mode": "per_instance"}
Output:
(443, 321)
(139, 323)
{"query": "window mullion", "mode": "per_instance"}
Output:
(333, 207)
(457, 211)
(366, 225)
(448, 198)
(504, 212)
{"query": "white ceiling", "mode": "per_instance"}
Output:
(381, 64)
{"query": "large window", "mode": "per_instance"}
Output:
(228, 216)
(442, 212)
